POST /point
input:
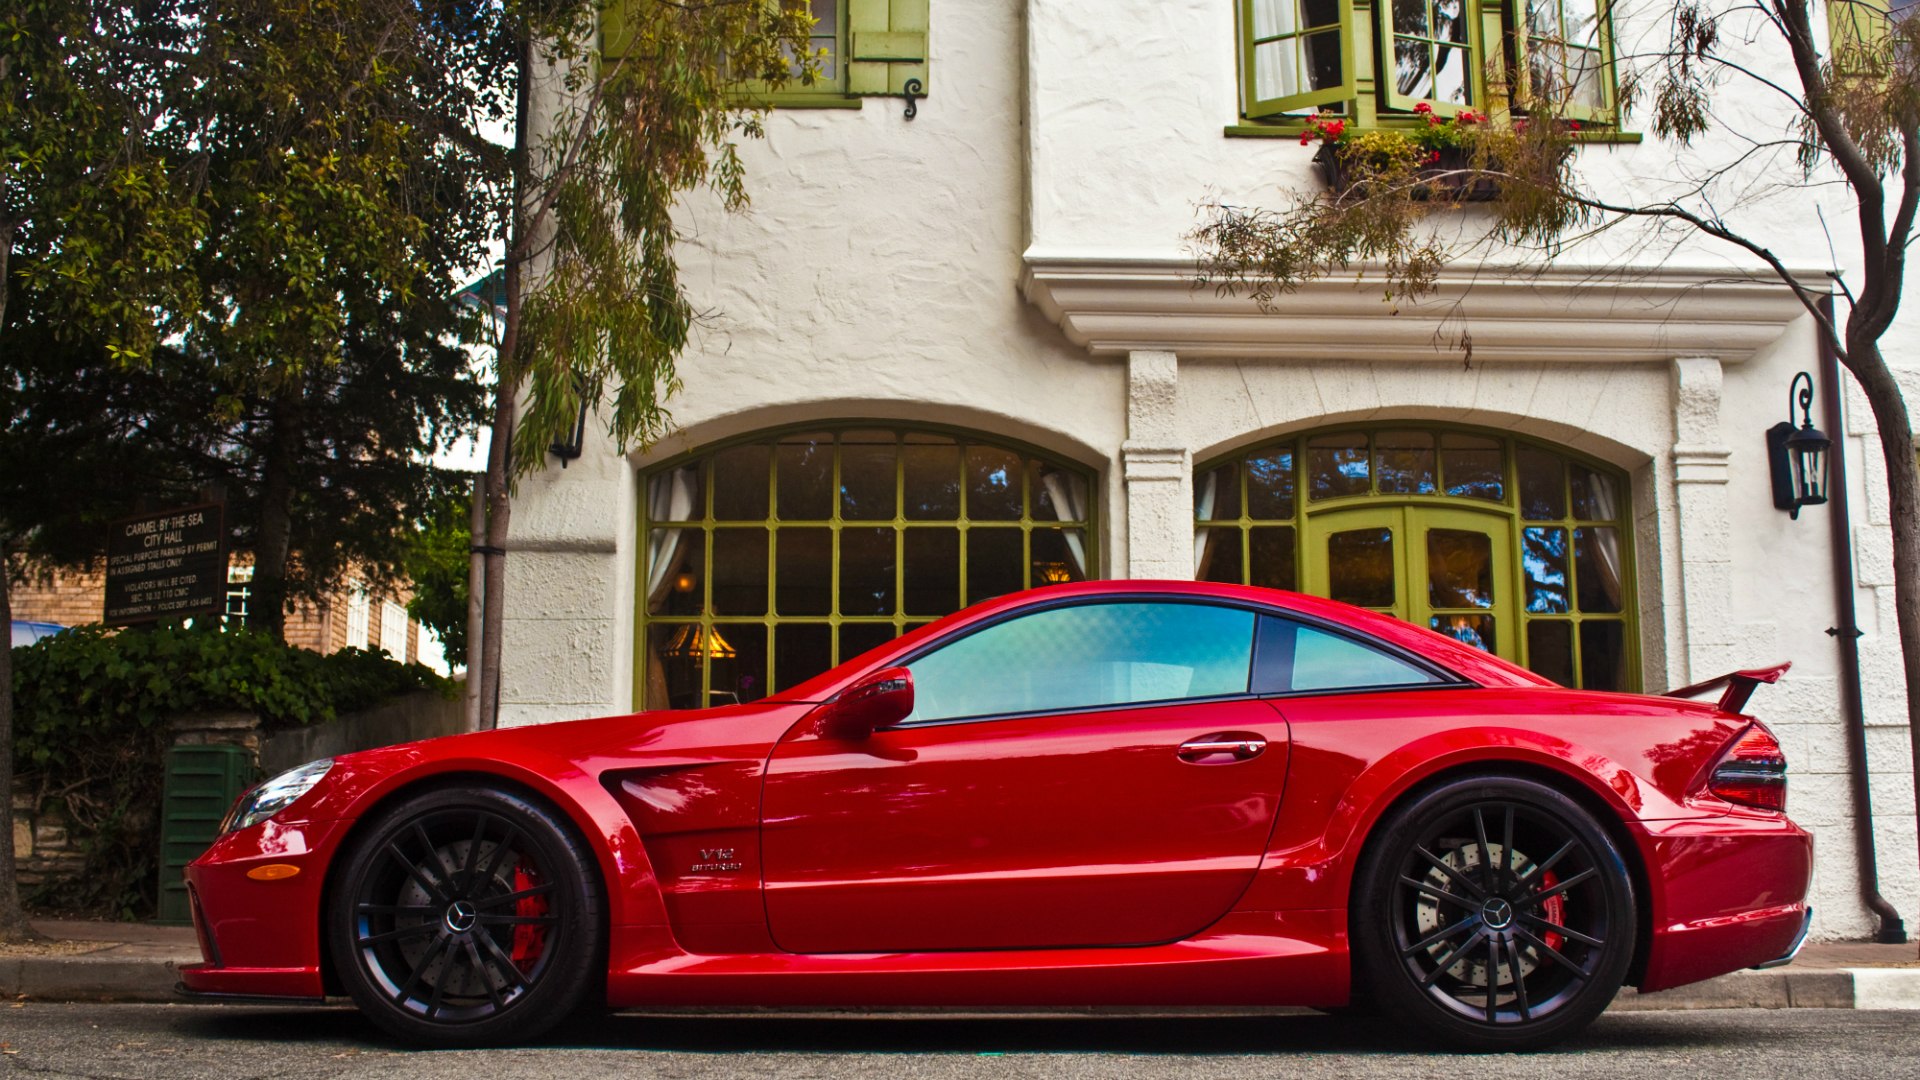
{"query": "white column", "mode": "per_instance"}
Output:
(1700, 456)
(1158, 469)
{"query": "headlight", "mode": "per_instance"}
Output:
(268, 798)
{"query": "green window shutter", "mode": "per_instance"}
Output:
(1858, 30)
(1453, 59)
(615, 36)
(887, 45)
(1296, 54)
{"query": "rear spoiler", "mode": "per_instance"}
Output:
(1740, 685)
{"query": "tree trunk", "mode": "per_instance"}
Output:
(1903, 505)
(267, 607)
(13, 919)
(506, 396)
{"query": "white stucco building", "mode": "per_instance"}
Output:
(959, 354)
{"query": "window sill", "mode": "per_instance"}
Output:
(1292, 130)
(776, 102)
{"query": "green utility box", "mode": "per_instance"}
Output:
(201, 783)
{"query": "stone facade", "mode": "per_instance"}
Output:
(1012, 262)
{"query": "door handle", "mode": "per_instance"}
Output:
(1222, 748)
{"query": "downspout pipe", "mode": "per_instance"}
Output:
(1846, 634)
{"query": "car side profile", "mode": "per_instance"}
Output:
(1103, 793)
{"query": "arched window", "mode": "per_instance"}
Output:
(1514, 546)
(772, 558)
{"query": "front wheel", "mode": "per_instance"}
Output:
(467, 918)
(1495, 913)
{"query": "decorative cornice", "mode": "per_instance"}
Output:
(1115, 306)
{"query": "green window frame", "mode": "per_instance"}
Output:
(1569, 521)
(1285, 43)
(1569, 45)
(874, 48)
(1300, 56)
(752, 580)
(1448, 33)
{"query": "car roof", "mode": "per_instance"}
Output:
(1458, 657)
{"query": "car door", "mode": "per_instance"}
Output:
(1094, 773)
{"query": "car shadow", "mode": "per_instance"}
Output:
(840, 1033)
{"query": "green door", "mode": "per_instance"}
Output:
(1442, 567)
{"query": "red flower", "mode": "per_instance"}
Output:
(1575, 124)
(1335, 129)
(1306, 137)
(1433, 157)
(1422, 108)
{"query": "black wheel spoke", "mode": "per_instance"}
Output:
(394, 935)
(418, 875)
(1564, 931)
(1506, 850)
(1493, 977)
(1486, 851)
(480, 973)
(1519, 981)
(1532, 899)
(473, 853)
(512, 897)
(397, 909)
(1541, 868)
(1448, 961)
(1455, 876)
(1439, 935)
(426, 961)
(444, 872)
(502, 962)
(517, 920)
(500, 854)
(440, 986)
(1439, 893)
(1538, 943)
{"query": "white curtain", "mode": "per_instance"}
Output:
(1069, 495)
(671, 499)
(1606, 542)
(1203, 538)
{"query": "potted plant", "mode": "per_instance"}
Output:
(1447, 157)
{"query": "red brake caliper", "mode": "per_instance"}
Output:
(529, 939)
(1554, 910)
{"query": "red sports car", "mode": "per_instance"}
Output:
(1111, 793)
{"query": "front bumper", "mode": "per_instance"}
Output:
(261, 939)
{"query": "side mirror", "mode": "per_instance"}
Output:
(880, 700)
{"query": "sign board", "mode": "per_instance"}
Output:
(167, 564)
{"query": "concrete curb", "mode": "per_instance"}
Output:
(70, 978)
(152, 979)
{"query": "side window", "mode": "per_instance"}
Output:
(1085, 657)
(1297, 658)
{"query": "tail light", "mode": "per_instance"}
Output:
(1752, 772)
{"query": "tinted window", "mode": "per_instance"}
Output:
(1086, 656)
(1300, 658)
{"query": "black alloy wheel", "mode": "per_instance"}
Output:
(1495, 913)
(467, 918)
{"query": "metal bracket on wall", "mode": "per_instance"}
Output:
(913, 90)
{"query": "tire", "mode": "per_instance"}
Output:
(1493, 881)
(467, 918)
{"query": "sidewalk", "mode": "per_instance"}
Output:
(109, 961)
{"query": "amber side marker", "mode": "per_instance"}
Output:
(278, 871)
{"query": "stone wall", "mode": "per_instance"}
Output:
(42, 846)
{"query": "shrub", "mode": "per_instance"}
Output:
(91, 708)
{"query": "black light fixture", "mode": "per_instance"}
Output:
(570, 449)
(1798, 456)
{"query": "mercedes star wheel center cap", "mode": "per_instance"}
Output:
(1497, 912)
(461, 916)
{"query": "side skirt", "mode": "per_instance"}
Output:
(1247, 958)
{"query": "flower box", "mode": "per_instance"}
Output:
(1448, 177)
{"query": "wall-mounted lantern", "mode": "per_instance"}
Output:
(571, 448)
(1797, 457)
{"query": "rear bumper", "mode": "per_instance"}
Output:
(1727, 893)
(1799, 942)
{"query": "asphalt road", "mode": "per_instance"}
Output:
(229, 1042)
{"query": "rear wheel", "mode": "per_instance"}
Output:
(1494, 913)
(467, 918)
